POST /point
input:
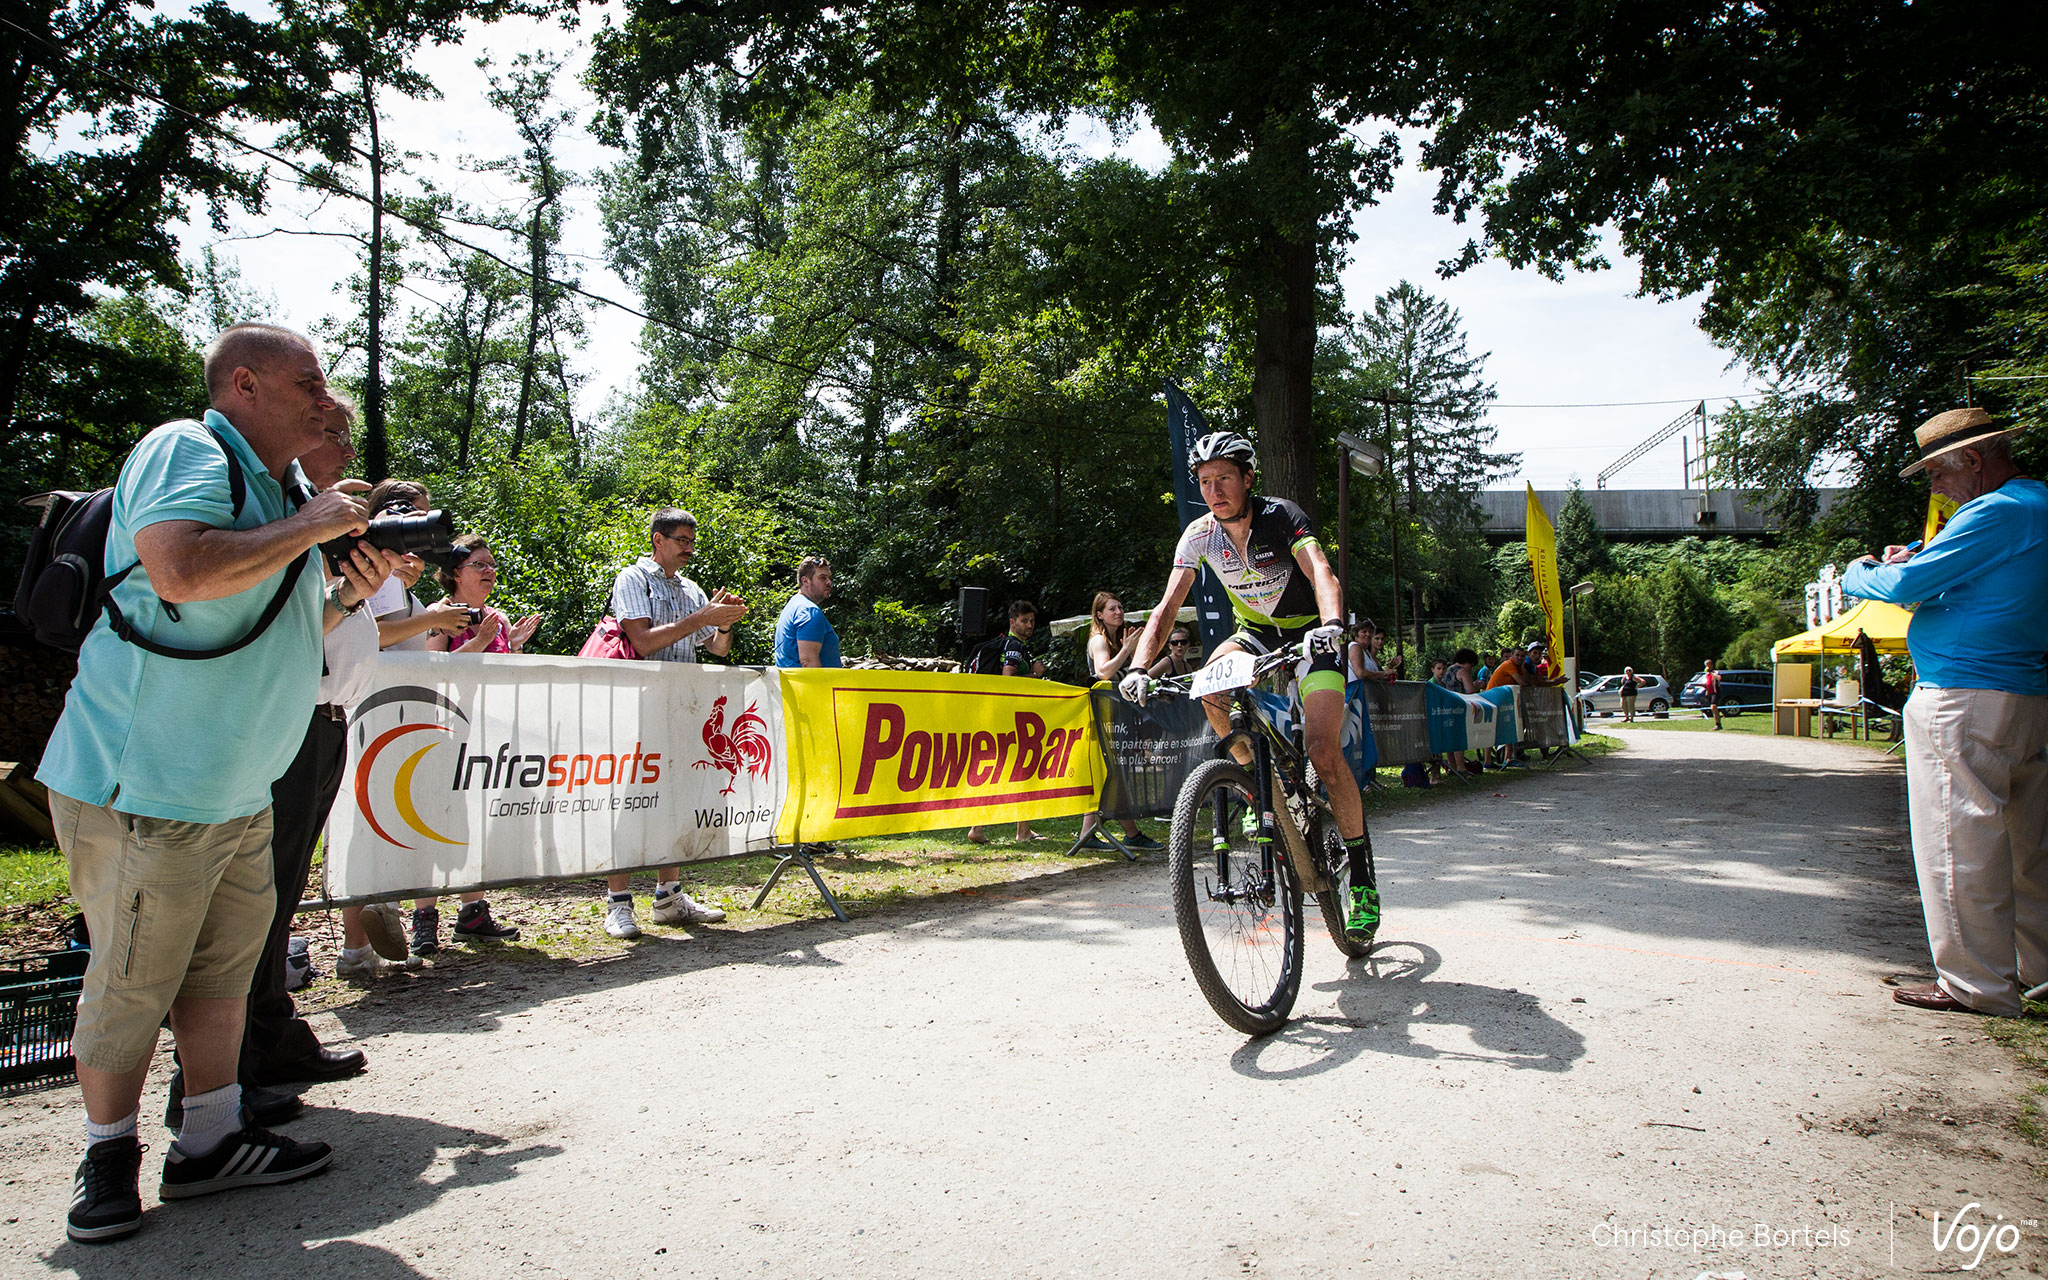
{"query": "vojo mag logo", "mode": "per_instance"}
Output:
(384, 808)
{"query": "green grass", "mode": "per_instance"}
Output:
(31, 873)
(2027, 1038)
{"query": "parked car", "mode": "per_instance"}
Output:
(1587, 679)
(1741, 690)
(1604, 698)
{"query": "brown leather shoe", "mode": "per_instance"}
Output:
(1930, 996)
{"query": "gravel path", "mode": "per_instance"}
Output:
(1620, 1022)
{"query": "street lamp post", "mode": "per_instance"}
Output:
(1583, 588)
(1368, 459)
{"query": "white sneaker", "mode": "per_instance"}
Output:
(681, 908)
(618, 920)
(373, 964)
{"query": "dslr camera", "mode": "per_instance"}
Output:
(402, 528)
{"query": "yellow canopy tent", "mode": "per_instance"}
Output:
(1885, 624)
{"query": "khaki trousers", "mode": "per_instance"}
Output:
(1977, 791)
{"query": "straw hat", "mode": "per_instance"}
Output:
(1956, 429)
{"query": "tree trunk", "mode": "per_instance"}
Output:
(1283, 373)
(537, 261)
(376, 448)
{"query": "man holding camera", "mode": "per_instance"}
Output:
(278, 1047)
(160, 769)
(1977, 722)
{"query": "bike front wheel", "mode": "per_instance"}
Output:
(1238, 912)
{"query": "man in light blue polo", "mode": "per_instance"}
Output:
(160, 769)
(803, 635)
(1977, 723)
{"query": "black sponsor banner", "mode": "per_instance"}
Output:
(1150, 749)
(1545, 721)
(1398, 711)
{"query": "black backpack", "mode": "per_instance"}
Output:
(64, 584)
(987, 658)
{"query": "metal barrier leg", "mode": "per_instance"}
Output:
(801, 856)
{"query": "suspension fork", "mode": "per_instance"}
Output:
(1262, 798)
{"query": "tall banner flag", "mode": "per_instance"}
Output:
(1543, 564)
(1185, 425)
(1939, 508)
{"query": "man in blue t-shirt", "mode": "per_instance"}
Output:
(1977, 723)
(803, 636)
(160, 769)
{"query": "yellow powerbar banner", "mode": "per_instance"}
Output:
(886, 752)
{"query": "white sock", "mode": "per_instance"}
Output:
(355, 955)
(108, 1132)
(209, 1119)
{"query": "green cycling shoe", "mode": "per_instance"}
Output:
(1364, 921)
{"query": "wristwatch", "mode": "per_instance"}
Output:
(334, 599)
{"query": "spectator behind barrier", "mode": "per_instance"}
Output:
(469, 581)
(1016, 660)
(405, 624)
(1110, 645)
(803, 635)
(667, 618)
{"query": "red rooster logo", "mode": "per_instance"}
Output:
(744, 747)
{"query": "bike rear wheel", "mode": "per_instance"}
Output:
(1240, 926)
(1336, 904)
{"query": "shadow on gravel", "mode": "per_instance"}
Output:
(1730, 850)
(385, 1168)
(468, 993)
(1387, 999)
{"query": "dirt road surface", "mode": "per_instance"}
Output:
(1631, 1021)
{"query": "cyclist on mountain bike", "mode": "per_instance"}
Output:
(1281, 589)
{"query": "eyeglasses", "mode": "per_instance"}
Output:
(1176, 644)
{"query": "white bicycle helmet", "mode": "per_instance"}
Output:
(1222, 444)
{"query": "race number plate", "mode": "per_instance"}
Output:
(1231, 671)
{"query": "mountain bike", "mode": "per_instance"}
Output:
(1246, 844)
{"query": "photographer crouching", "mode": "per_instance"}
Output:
(1977, 722)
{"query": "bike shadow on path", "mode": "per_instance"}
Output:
(1387, 997)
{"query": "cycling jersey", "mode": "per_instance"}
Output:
(1267, 588)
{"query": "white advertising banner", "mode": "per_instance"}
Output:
(473, 770)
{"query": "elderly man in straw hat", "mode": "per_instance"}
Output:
(1977, 723)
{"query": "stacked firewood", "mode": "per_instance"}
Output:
(891, 662)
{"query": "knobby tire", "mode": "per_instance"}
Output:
(1246, 956)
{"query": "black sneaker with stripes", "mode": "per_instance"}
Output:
(252, 1158)
(105, 1204)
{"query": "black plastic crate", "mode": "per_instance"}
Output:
(38, 1008)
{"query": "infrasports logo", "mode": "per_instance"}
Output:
(380, 805)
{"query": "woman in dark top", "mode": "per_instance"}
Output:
(1110, 645)
(1629, 686)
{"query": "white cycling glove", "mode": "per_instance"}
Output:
(1328, 638)
(1136, 687)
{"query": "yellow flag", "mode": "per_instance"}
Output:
(1939, 508)
(1543, 564)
